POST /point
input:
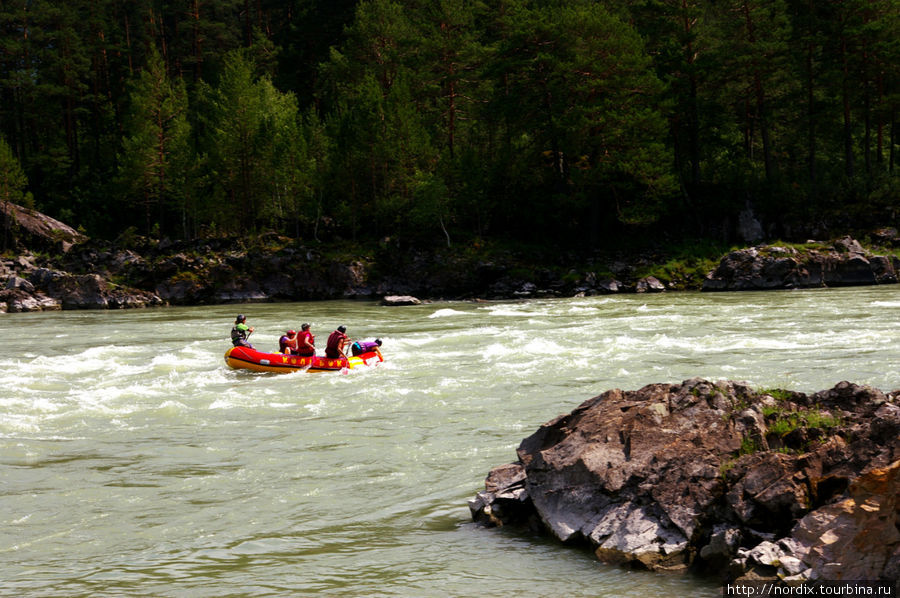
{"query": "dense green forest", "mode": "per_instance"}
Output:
(449, 121)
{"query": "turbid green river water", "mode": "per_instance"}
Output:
(133, 462)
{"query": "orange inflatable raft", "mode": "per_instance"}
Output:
(245, 358)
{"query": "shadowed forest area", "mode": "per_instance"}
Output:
(565, 123)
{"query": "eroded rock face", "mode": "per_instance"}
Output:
(857, 537)
(714, 476)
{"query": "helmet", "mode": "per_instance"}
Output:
(378, 341)
(304, 326)
(241, 318)
(291, 332)
(342, 329)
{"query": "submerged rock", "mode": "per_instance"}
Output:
(681, 476)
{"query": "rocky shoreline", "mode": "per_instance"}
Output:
(55, 267)
(842, 263)
(716, 477)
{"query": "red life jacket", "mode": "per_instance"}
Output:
(303, 350)
(334, 341)
(285, 342)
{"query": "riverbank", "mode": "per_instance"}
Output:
(60, 269)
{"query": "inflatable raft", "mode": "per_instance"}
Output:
(244, 358)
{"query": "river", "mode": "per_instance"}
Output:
(133, 462)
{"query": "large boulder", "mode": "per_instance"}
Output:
(35, 230)
(649, 284)
(89, 291)
(15, 300)
(714, 476)
(400, 300)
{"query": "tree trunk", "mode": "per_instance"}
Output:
(845, 99)
(759, 93)
(196, 42)
(892, 137)
(811, 114)
(248, 25)
(867, 114)
(693, 121)
(763, 126)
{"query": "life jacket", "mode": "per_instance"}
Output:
(301, 349)
(238, 336)
(334, 341)
(360, 347)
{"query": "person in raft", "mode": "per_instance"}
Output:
(336, 344)
(360, 347)
(287, 344)
(306, 342)
(240, 332)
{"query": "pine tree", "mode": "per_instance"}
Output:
(155, 149)
(674, 32)
(377, 118)
(249, 126)
(12, 185)
(578, 90)
(756, 35)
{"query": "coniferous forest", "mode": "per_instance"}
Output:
(568, 122)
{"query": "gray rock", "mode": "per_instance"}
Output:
(722, 547)
(14, 282)
(766, 553)
(17, 300)
(656, 478)
(791, 566)
(88, 291)
(36, 230)
(772, 267)
(627, 532)
(749, 228)
(400, 300)
(609, 285)
(650, 284)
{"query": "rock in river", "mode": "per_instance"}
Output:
(716, 476)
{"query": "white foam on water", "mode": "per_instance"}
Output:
(173, 407)
(543, 347)
(448, 312)
(496, 350)
(583, 310)
(13, 425)
(885, 304)
(516, 311)
(178, 360)
(224, 403)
